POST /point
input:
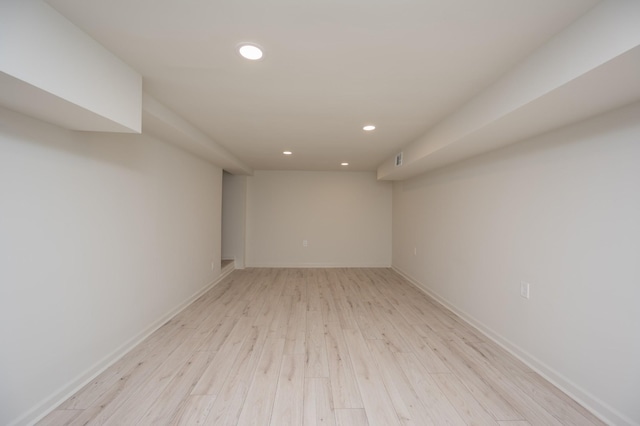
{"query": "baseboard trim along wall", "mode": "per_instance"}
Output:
(315, 265)
(65, 392)
(599, 408)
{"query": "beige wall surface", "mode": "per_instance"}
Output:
(560, 212)
(102, 237)
(345, 217)
(234, 195)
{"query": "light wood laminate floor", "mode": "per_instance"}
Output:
(343, 347)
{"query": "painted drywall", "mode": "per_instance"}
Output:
(234, 194)
(102, 237)
(560, 212)
(52, 70)
(345, 217)
(161, 121)
(547, 76)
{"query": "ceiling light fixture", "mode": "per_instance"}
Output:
(344, 164)
(250, 51)
(287, 152)
(369, 127)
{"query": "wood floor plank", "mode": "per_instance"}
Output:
(406, 402)
(218, 369)
(505, 386)
(344, 387)
(317, 364)
(193, 411)
(59, 417)
(280, 322)
(259, 401)
(327, 303)
(556, 401)
(438, 406)
(270, 309)
(376, 400)
(401, 296)
(313, 291)
(232, 407)
(135, 375)
(297, 322)
(342, 346)
(198, 311)
(385, 319)
(465, 404)
(297, 345)
(137, 363)
(351, 417)
(427, 355)
(177, 390)
(256, 294)
(231, 395)
(179, 369)
(500, 356)
(218, 334)
(318, 409)
(550, 398)
(289, 399)
(344, 301)
(474, 379)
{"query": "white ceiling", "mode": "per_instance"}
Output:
(330, 66)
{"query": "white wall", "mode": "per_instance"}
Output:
(101, 238)
(234, 195)
(562, 212)
(61, 75)
(344, 216)
(558, 84)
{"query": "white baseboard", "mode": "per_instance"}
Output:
(597, 407)
(314, 265)
(227, 270)
(42, 409)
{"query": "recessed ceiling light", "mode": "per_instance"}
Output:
(344, 164)
(287, 152)
(369, 127)
(250, 51)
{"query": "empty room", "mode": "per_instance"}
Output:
(329, 212)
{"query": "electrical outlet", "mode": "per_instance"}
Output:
(524, 289)
(305, 243)
(415, 251)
